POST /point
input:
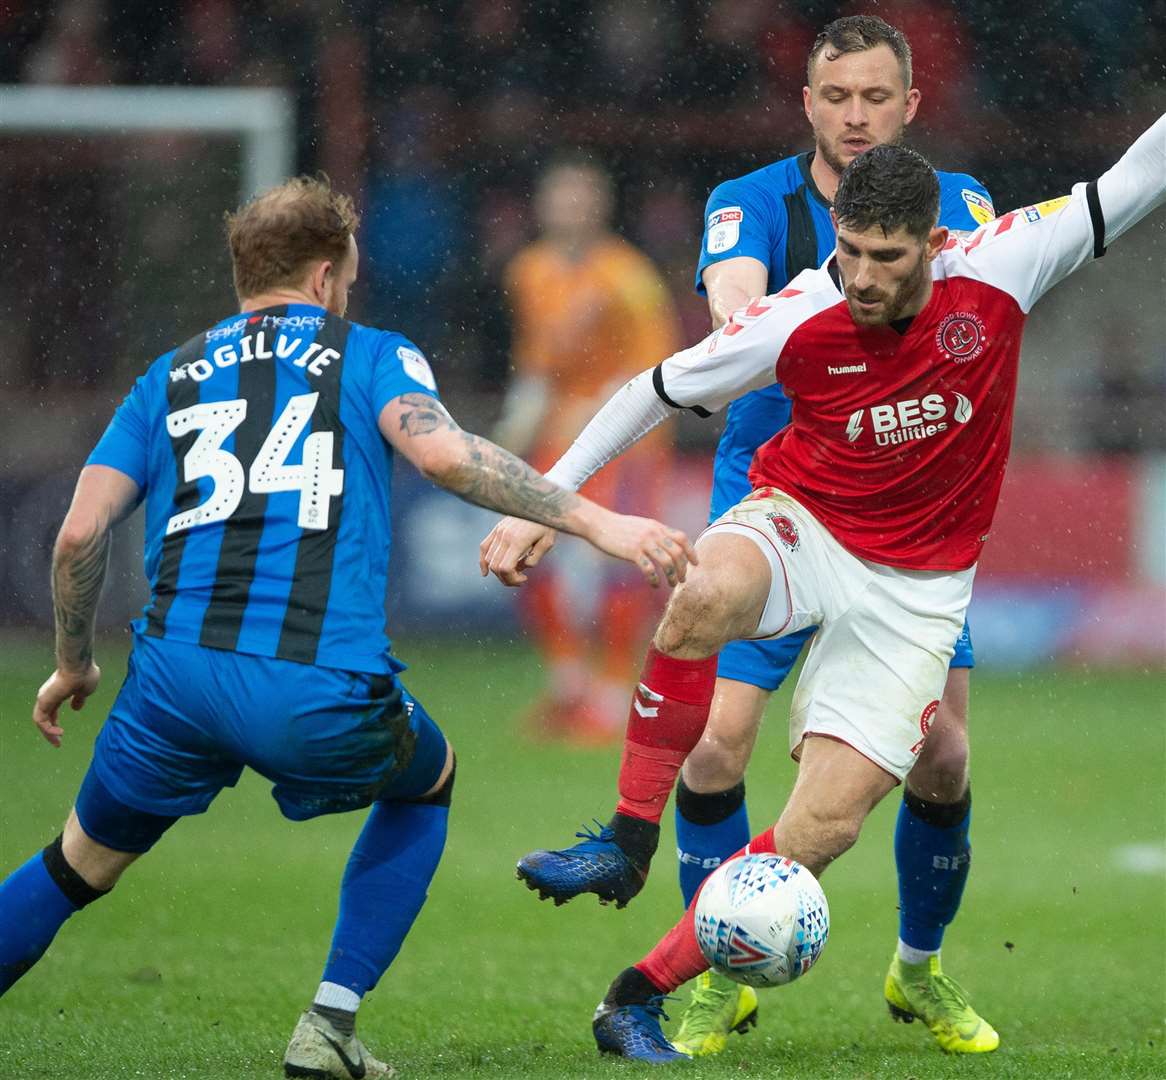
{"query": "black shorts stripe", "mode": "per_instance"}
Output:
(1093, 201)
(180, 394)
(801, 243)
(242, 531)
(303, 622)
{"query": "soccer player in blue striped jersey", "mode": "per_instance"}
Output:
(263, 450)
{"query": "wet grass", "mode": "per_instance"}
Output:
(199, 962)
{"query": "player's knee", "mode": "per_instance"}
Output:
(941, 772)
(77, 890)
(696, 620)
(717, 764)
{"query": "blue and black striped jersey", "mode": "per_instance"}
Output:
(267, 485)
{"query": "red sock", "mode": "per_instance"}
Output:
(669, 711)
(677, 957)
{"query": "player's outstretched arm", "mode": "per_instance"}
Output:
(80, 559)
(728, 363)
(419, 427)
(1028, 251)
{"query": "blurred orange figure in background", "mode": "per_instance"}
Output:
(590, 310)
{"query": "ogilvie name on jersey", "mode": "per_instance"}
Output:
(315, 358)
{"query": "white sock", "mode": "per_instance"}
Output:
(335, 996)
(911, 955)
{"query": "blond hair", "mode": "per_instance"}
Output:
(274, 237)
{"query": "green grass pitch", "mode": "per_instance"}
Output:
(199, 962)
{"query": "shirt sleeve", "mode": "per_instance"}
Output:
(125, 445)
(739, 357)
(1027, 251)
(738, 220)
(965, 204)
(401, 368)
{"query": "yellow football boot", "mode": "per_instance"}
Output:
(718, 1007)
(923, 991)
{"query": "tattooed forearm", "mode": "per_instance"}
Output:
(424, 415)
(495, 478)
(78, 574)
(477, 469)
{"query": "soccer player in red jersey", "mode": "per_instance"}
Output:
(762, 229)
(869, 511)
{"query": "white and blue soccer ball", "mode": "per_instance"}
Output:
(762, 919)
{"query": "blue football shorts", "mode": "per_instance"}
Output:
(766, 664)
(188, 720)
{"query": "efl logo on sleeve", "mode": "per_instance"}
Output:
(416, 366)
(979, 206)
(724, 229)
(1044, 209)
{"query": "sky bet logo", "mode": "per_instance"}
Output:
(914, 418)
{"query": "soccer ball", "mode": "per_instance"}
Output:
(762, 919)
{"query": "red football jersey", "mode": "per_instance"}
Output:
(898, 440)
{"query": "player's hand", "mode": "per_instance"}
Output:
(511, 547)
(660, 553)
(58, 688)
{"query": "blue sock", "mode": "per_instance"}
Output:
(35, 901)
(709, 828)
(384, 886)
(933, 856)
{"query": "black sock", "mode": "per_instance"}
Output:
(341, 1019)
(709, 808)
(631, 987)
(77, 890)
(937, 814)
(636, 837)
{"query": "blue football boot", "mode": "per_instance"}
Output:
(598, 865)
(633, 1031)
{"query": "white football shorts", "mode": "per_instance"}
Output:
(878, 663)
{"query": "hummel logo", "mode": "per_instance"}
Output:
(846, 369)
(356, 1068)
(649, 712)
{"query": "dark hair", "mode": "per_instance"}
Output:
(276, 235)
(857, 33)
(889, 186)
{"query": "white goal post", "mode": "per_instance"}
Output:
(261, 118)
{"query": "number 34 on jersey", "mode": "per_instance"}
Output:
(315, 478)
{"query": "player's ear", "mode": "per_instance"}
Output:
(806, 97)
(936, 241)
(913, 97)
(320, 279)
